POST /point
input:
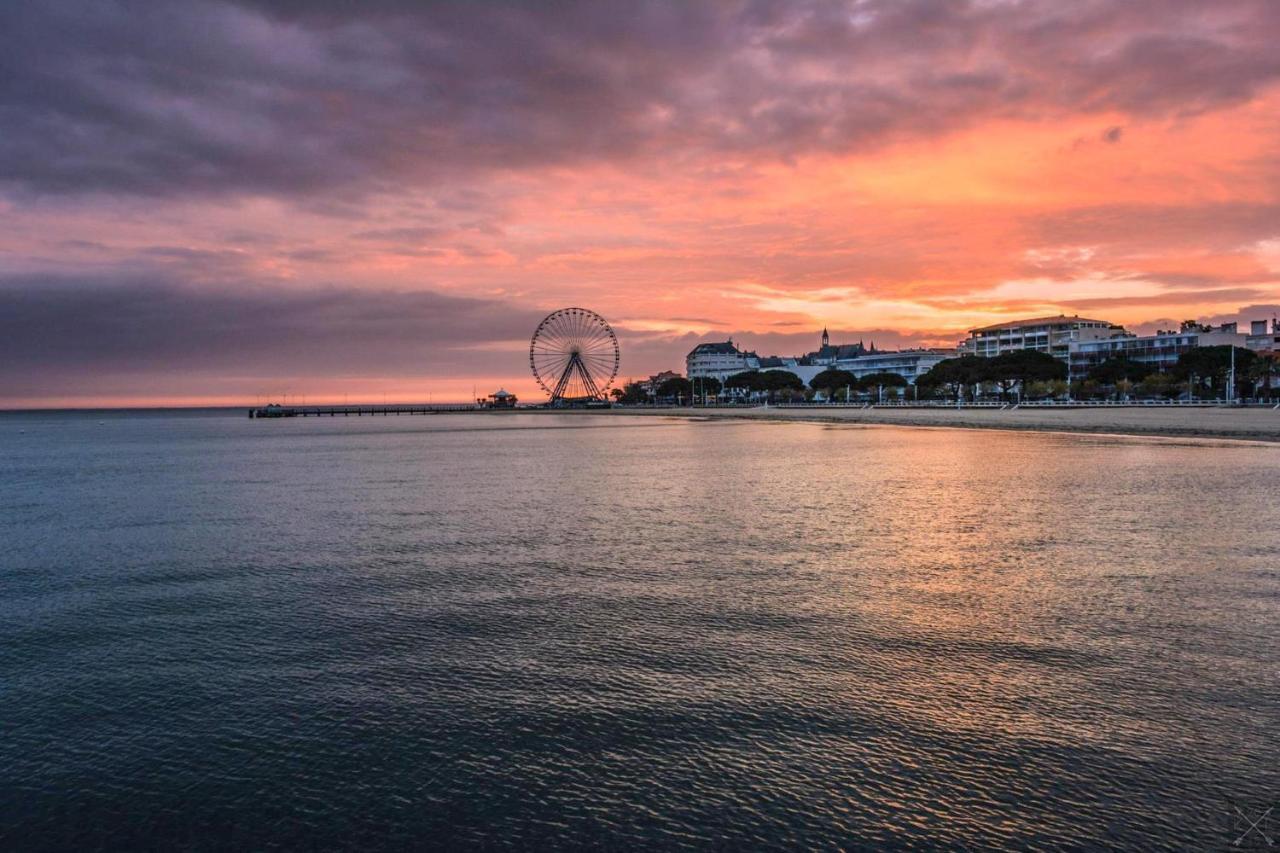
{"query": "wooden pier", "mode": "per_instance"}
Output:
(359, 411)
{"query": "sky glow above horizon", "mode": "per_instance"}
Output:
(220, 202)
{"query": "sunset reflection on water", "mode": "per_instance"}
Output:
(605, 631)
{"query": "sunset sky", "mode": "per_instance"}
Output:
(220, 202)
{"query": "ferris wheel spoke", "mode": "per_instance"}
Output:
(552, 369)
(597, 372)
(547, 352)
(554, 341)
(599, 360)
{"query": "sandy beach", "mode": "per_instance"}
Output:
(1254, 424)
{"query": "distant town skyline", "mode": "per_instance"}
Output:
(215, 202)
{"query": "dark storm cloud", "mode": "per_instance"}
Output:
(52, 329)
(291, 97)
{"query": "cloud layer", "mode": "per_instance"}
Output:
(689, 169)
(282, 97)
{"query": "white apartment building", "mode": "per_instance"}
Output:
(718, 360)
(1161, 350)
(1053, 335)
(1261, 340)
(910, 364)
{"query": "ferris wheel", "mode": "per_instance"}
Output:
(574, 355)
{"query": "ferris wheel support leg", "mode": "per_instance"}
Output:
(589, 383)
(562, 382)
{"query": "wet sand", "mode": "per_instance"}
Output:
(1254, 424)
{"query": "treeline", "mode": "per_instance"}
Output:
(677, 389)
(1028, 374)
(1200, 372)
(835, 384)
(1020, 370)
(777, 386)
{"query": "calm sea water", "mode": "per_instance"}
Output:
(588, 631)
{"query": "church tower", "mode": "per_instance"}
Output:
(826, 339)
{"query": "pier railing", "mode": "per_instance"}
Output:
(359, 411)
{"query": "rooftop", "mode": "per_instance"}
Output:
(723, 348)
(1038, 321)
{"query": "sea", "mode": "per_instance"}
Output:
(589, 631)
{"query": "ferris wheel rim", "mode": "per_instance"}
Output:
(574, 350)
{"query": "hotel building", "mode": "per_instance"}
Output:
(719, 360)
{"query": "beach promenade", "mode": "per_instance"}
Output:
(1255, 424)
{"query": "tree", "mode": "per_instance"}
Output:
(831, 381)
(745, 383)
(1115, 370)
(1120, 373)
(676, 388)
(1212, 364)
(782, 383)
(631, 394)
(1262, 373)
(1018, 368)
(875, 381)
(1157, 385)
(1045, 389)
(1087, 389)
(883, 380)
(953, 375)
(706, 386)
(1002, 372)
(748, 380)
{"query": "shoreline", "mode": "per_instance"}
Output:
(1239, 424)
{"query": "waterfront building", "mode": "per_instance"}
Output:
(1053, 335)
(1262, 340)
(1160, 351)
(654, 382)
(828, 353)
(719, 360)
(723, 359)
(910, 364)
(803, 367)
(1082, 342)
